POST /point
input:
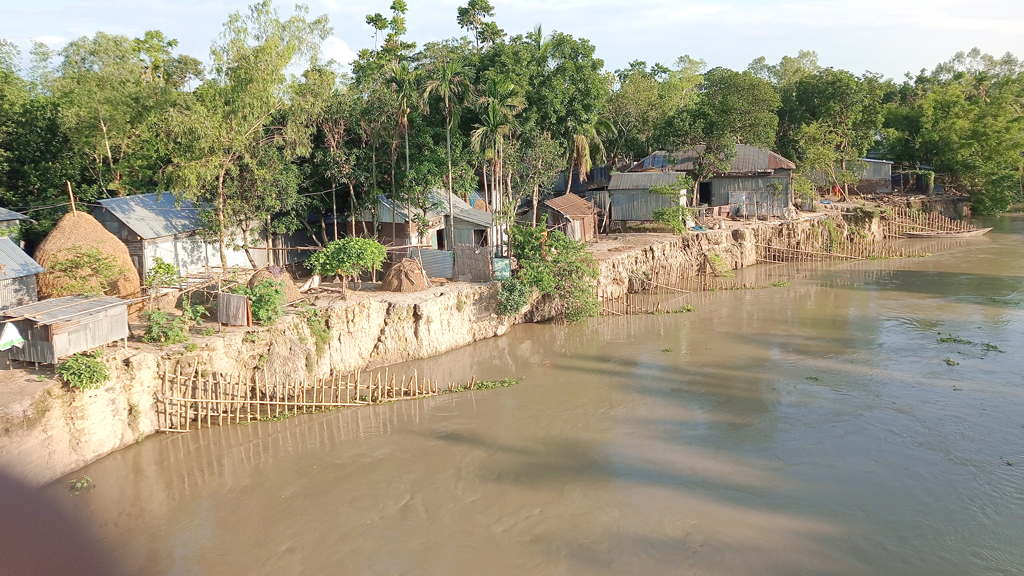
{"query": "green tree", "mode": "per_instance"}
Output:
(450, 82)
(249, 119)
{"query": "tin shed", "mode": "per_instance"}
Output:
(155, 226)
(574, 216)
(59, 327)
(17, 275)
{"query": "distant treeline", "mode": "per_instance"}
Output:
(114, 115)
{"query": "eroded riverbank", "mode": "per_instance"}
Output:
(808, 429)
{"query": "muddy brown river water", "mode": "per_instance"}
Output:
(809, 429)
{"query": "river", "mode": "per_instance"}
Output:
(815, 428)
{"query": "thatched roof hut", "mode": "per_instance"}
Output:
(406, 276)
(291, 293)
(78, 233)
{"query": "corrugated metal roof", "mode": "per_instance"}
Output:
(463, 211)
(6, 214)
(641, 180)
(64, 309)
(154, 215)
(749, 159)
(572, 205)
(14, 263)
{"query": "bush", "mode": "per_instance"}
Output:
(84, 371)
(558, 266)
(675, 217)
(265, 300)
(348, 257)
(163, 329)
(161, 274)
(513, 296)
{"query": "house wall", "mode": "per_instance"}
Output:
(723, 185)
(637, 205)
(18, 291)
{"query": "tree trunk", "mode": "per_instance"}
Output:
(450, 243)
(221, 225)
(352, 215)
(245, 247)
(334, 202)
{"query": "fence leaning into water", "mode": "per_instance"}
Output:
(188, 400)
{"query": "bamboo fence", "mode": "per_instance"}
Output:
(187, 401)
(899, 220)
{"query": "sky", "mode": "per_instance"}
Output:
(891, 37)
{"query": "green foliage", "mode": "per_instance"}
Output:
(483, 385)
(347, 257)
(79, 485)
(84, 371)
(674, 217)
(557, 266)
(265, 299)
(85, 270)
(161, 274)
(803, 188)
(513, 296)
(718, 265)
(192, 313)
(191, 347)
(950, 362)
(316, 320)
(162, 329)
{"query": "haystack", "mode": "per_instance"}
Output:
(406, 276)
(291, 293)
(78, 231)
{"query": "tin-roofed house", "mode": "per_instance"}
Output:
(9, 222)
(395, 227)
(573, 215)
(18, 274)
(154, 226)
(755, 174)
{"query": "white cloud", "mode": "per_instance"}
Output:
(335, 48)
(51, 41)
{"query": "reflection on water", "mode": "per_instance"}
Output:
(811, 429)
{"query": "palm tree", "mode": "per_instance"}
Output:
(404, 82)
(450, 83)
(500, 102)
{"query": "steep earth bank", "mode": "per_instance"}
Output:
(47, 431)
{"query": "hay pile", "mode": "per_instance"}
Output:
(291, 293)
(72, 234)
(406, 276)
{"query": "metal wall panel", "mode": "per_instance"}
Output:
(438, 263)
(18, 291)
(722, 187)
(637, 205)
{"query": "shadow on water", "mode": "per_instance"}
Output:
(973, 288)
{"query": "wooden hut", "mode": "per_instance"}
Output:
(59, 327)
(18, 275)
(574, 216)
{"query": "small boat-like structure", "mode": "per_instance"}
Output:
(950, 234)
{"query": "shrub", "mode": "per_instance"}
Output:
(161, 274)
(84, 371)
(555, 265)
(513, 296)
(348, 257)
(674, 217)
(163, 329)
(265, 300)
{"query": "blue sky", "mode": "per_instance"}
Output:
(887, 36)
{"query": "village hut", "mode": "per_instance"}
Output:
(79, 231)
(291, 293)
(406, 276)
